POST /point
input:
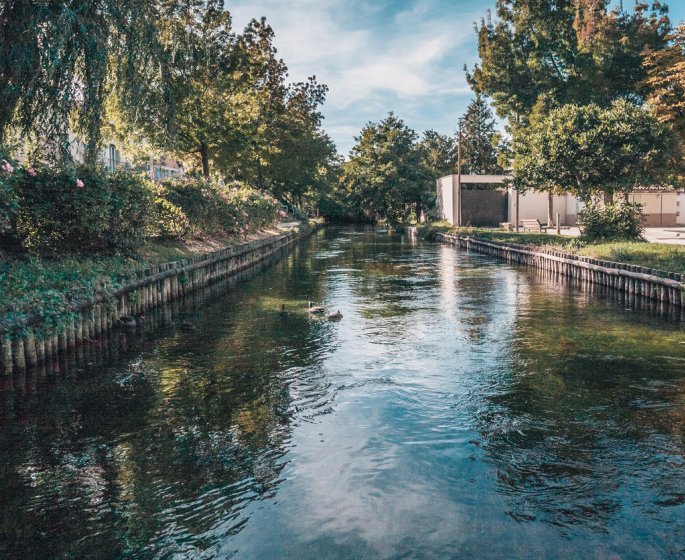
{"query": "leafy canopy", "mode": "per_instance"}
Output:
(586, 149)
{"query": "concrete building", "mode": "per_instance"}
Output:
(490, 207)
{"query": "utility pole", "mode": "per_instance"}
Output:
(458, 216)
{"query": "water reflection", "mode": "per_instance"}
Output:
(461, 408)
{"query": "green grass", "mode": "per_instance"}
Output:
(668, 258)
(47, 287)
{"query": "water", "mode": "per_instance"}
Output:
(461, 408)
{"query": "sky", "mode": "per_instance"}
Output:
(377, 56)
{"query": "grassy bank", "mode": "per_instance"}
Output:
(47, 286)
(669, 258)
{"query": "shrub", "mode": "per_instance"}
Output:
(215, 208)
(9, 205)
(619, 221)
(171, 221)
(80, 209)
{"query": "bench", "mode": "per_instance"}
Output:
(533, 225)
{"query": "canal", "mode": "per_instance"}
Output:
(461, 408)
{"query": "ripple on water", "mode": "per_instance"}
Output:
(461, 408)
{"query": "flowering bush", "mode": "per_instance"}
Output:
(57, 211)
(86, 209)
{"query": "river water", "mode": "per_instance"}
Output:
(461, 408)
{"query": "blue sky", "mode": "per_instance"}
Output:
(377, 56)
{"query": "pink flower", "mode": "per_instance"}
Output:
(31, 171)
(79, 184)
(6, 167)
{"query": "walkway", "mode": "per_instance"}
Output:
(670, 235)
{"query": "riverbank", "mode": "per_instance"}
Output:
(50, 305)
(636, 281)
(664, 258)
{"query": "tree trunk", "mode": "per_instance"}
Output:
(550, 209)
(90, 158)
(204, 154)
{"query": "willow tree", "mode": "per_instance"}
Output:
(58, 59)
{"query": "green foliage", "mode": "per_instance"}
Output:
(620, 221)
(568, 51)
(479, 139)
(171, 222)
(213, 208)
(87, 210)
(48, 288)
(80, 209)
(586, 150)
(384, 178)
(56, 64)
(9, 201)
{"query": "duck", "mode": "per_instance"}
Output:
(316, 309)
(335, 316)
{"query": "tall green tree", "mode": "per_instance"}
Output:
(384, 176)
(567, 51)
(480, 139)
(438, 153)
(587, 150)
(186, 104)
(666, 83)
(58, 58)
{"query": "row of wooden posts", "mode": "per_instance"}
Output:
(27, 344)
(633, 280)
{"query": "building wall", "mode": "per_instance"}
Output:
(446, 207)
(533, 205)
(680, 208)
(660, 208)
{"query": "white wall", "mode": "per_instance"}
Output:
(446, 199)
(533, 205)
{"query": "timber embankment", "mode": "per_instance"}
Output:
(27, 343)
(635, 281)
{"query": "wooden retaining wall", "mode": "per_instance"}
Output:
(655, 285)
(23, 347)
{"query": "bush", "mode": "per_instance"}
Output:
(213, 208)
(9, 205)
(81, 209)
(171, 221)
(619, 221)
(89, 210)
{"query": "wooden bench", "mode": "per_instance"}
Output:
(533, 225)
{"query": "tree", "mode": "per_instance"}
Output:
(384, 176)
(438, 153)
(57, 60)
(666, 82)
(568, 51)
(185, 104)
(479, 139)
(586, 150)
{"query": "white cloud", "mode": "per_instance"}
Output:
(374, 56)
